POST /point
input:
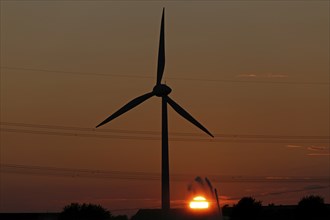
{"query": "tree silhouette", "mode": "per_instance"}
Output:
(312, 207)
(246, 209)
(76, 211)
(120, 217)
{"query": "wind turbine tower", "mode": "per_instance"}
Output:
(162, 91)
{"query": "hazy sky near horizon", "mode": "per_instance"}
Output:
(253, 68)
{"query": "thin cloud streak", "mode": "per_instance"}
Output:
(293, 146)
(120, 75)
(262, 76)
(321, 150)
(319, 154)
(316, 148)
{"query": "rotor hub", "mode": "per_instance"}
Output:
(161, 90)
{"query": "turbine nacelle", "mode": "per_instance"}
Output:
(161, 90)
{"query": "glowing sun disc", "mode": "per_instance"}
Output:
(199, 202)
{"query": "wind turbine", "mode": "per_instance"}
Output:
(160, 90)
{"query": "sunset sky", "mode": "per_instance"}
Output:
(254, 73)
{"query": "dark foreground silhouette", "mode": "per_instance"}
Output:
(310, 207)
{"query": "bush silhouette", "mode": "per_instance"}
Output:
(312, 207)
(246, 209)
(76, 211)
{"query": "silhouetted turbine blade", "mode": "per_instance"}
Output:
(161, 52)
(186, 115)
(127, 107)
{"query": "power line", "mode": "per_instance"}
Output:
(173, 78)
(151, 138)
(74, 128)
(135, 175)
(157, 133)
(77, 73)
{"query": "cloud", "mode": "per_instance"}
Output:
(98, 200)
(278, 178)
(320, 151)
(318, 154)
(316, 148)
(293, 146)
(247, 75)
(178, 202)
(271, 75)
(312, 187)
(223, 200)
(262, 76)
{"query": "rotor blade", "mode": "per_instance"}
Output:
(161, 52)
(186, 115)
(127, 107)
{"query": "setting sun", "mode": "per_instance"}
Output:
(199, 202)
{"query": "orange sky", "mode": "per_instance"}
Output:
(240, 68)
